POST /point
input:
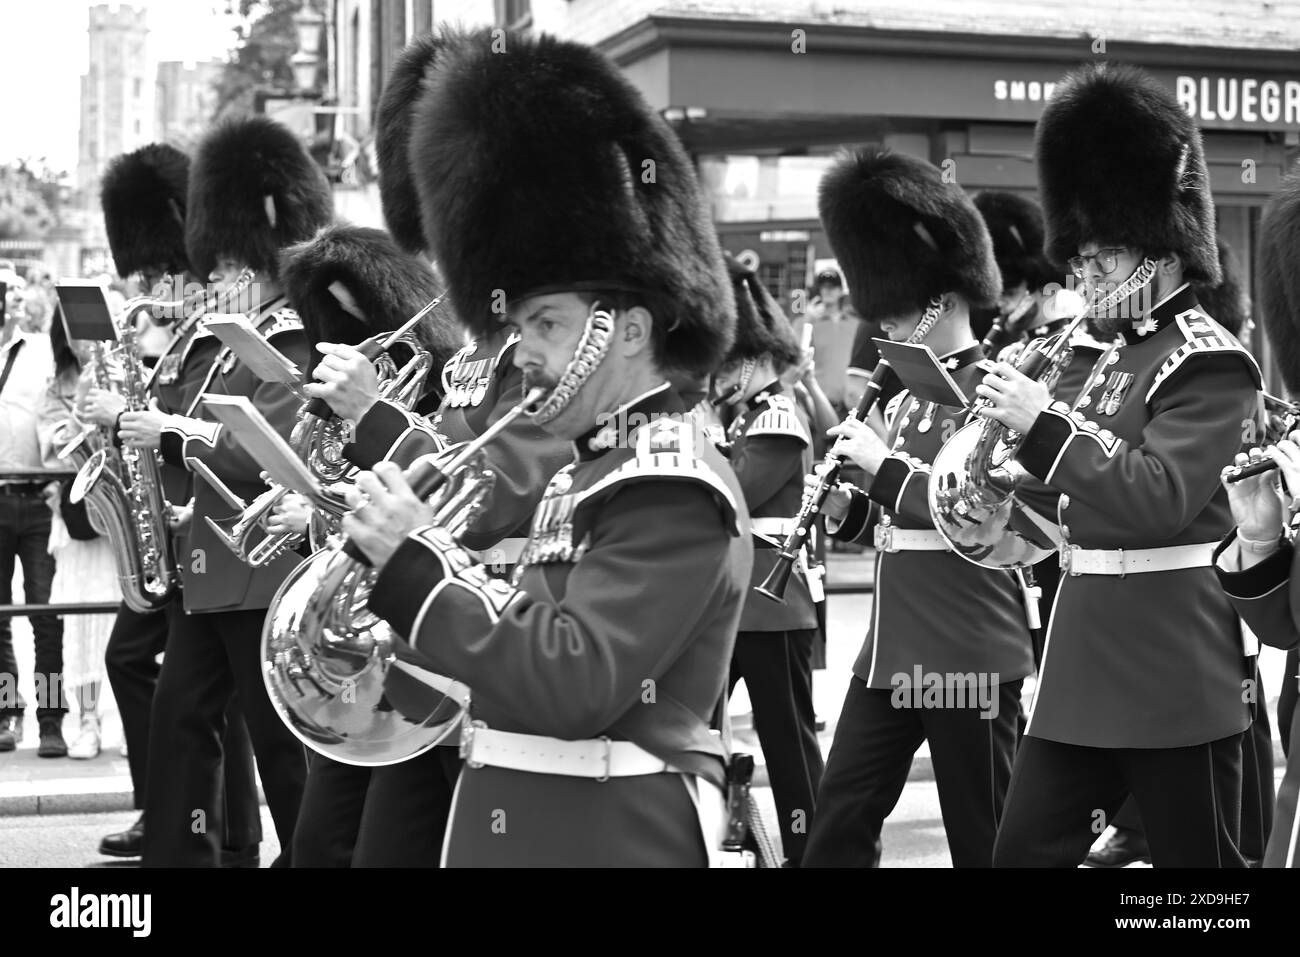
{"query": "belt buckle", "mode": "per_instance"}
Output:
(1067, 560)
(884, 538)
(609, 756)
(467, 741)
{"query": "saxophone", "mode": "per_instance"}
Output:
(122, 487)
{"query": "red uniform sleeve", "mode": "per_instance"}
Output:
(389, 433)
(658, 553)
(902, 486)
(1261, 594)
(1158, 487)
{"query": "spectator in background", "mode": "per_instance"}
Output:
(834, 326)
(25, 363)
(85, 570)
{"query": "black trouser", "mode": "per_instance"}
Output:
(1189, 799)
(131, 662)
(25, 536)
(330, 816)
(870, 759)
(777, 669)
(1286, 700)
(406, 811)
(1258, 794)
(209, 658)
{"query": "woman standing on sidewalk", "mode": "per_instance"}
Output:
(84, 565)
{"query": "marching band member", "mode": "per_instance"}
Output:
(253, 191)
(1151, 701)
(594, 680)
(948, 643)
(407, 804)
(348, 284)
(1015, 224)
(770, 449)
(143, 198)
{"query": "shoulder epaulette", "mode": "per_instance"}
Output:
(778, 417)
(449, 367)
(1202, 336)
(671, 448)
(279, 321)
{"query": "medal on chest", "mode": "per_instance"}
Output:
(468, 382)
(551, 539)
(1117, 386)
(169, 369)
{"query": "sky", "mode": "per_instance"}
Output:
(44, 55)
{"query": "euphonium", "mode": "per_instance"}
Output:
(975, 476)
(330, 664)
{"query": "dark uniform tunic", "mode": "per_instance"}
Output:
(1265, 596)
(946, 649)
(1149, 701)
(771, 452)
(622, 624)
(215, 650)
(130, 659)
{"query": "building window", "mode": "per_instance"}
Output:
(772, 276)
(135, 88)
(514, 14)
(137, 127)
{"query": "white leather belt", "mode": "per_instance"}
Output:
(1123, 561)
(889, 538)
(598, 758)
(504, 552)
(772, 527)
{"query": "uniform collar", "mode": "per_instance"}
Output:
(614, 429)
(1162, 314)
(762, 395)
(960, 358)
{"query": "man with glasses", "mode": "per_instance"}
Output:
(1150, 699)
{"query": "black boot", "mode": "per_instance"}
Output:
(126, 843)
(1124, 846)
(52, 744)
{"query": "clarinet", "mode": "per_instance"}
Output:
(774, 585)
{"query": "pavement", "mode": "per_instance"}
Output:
(30, 785)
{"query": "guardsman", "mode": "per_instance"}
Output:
(1144, 687)
(948, 643)
(1125, 842)
(406, 805)
(143, 198)
(769, 444)
(349, 283)
(1015, 224)
(253, 191)
(595, 679)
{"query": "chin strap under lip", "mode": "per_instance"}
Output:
(590, 352)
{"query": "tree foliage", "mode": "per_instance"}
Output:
(263, 47)
(31, 199)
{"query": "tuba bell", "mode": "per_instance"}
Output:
(975, 478)
(330, 665)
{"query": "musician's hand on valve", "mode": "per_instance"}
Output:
(290, 515)
(858, 442)
(142, 430)
(1014, 399)
(101, 407)
(384, 512)
(1255, 502)
(346, 379)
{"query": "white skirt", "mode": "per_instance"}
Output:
(84, 571)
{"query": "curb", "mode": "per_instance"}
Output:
(73, 796)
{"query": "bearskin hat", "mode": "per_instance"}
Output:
(1226, 302)
(762, 329)
(397, 194)
(1015, 224)
(1119, 161)
(1279, 277)
(388, 285)
(253, 191)
(143, 196)
(903, 236)
(574, 185)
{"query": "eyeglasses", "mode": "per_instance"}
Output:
(1106, 259)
